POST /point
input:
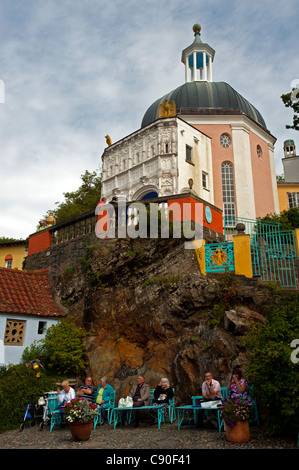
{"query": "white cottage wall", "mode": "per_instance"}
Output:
(12, 354)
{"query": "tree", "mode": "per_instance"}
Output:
(291, 100)
(62, 350)
(84, 199)
(289, 219)
(280, 178)
(9, 239)
(24, 382)
(271, 369)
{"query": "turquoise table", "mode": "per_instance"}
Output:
(117, 413)
(183, 412)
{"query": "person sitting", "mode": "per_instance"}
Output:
(211, 390)
(104, 395)
(237, 386)
(140, 393)
(162, 394)
(65, 395)
(86, 391)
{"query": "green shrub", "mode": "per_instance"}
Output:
(226, 289)
(274, 375)
(34, 351)
(17, 382)
(289, 219)
(62, 350)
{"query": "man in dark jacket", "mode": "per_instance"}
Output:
(141, 395)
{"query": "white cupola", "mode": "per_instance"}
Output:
(198, 58)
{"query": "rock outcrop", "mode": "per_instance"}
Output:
(150, 311)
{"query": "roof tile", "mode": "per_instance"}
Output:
(27, 293)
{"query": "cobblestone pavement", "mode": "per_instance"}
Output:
(144, 437)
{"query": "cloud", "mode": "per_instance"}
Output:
(77, 70)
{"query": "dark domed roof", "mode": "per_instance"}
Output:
(202, 97)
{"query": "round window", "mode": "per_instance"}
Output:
(225, 140)
(259, 151)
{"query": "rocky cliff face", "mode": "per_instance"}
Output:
(150, 311)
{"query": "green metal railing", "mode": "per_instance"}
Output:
(255, 228)
(219, 257)
(273, 251)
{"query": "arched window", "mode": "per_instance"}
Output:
(8, 261)
(259, 151)
(228, 193)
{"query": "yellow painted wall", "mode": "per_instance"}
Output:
(199, 246)
(17, 251)
(242, 255)
(282, 190)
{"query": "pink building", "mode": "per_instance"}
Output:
(208, 134)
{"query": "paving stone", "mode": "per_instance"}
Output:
(144, 437)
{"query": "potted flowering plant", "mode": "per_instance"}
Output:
(79, 413)
(235, 413)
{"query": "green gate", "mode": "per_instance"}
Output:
(273, 251)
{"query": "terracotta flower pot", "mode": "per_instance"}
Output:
(81, 431)
(240, 432)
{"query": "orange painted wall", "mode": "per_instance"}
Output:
(219, 155)
(39, 242)
(261, 174)
(261, 170)
(216, 223)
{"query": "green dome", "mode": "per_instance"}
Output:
(288, 142)
(205, 98)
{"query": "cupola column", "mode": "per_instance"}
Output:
(194, 76)
(210, 74)
(205, 65)
(186, 72)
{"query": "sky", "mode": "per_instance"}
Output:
(73, 71)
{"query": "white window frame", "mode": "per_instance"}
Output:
(205, 179)
(293, 199)
(8, 263)
(228, 191)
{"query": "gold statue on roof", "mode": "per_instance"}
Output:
(167, 109)
(108, 140)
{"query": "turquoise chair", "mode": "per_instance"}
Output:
(194, 399)
(171, 407)
(224, 394)
(53, 414)
(109, 411)
(111, 407)
(254, 414)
